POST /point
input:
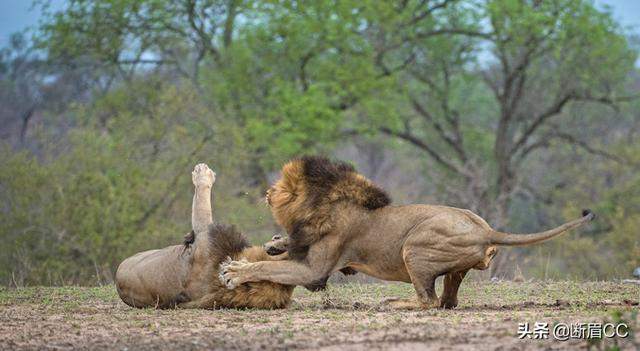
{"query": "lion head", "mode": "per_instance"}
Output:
(303, 198)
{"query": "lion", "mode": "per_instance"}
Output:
(186, 276)
(337, 218)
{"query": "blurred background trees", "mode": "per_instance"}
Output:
(523, 111)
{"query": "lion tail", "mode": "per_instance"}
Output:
(509, 239)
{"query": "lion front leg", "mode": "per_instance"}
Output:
(452, 282)
(235, 273)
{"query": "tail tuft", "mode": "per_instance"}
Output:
(588, 213)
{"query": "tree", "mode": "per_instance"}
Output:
(29, 85)
(473, 99)
(545, 57)
(130, 36)
(289, 71)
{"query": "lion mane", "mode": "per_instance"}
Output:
(226, 241)
(305, 196)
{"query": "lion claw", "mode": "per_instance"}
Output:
(203, 176)
(229, 274)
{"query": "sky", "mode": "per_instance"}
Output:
(16, 15)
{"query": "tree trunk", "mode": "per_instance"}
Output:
(26, 117)
(502, 264)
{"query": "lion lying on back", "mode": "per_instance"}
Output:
(337, 218)
(187, 275)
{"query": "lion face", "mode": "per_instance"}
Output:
(268, 196)
(287, 194)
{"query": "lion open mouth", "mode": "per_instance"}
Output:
(274, 251)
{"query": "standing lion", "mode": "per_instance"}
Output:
(187, 275)
(337, 218)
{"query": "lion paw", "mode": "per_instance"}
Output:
(229, 273)
(203, 176)
(399, 304)
(406, 304)
(449, 303)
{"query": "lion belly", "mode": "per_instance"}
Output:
(398, 274)
(153, 278)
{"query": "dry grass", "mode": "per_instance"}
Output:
(348, 316)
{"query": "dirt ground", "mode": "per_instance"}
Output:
(345, 317)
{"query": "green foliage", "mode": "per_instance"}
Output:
(246, 85)
(118, 184)
(610, 248)
(291, 124)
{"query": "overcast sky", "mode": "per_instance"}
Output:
(16, 15)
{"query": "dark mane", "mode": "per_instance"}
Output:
(327, 183)
(324, 176)
(225, 241)
(321, 172)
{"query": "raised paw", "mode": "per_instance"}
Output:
(229, 273)
(202, 175)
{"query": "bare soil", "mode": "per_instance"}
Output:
(345, 317)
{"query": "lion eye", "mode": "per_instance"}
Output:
(276, 237)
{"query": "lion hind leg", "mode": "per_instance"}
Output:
(203, 179)
(209, 301)
(426, 296)
(425, 286)
(403, 304)
(189, 305)
(450, 293)
(423, 277)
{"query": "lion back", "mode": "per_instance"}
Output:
(327, 183)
